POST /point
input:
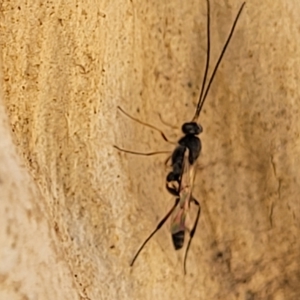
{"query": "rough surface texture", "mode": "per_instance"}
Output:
(74, 210)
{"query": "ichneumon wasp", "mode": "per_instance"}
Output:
(179, 181)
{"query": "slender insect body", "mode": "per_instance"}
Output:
(180, 180)
(178, 221)
(193, 144)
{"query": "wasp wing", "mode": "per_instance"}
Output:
(178, 222)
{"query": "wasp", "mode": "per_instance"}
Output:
(179, 181)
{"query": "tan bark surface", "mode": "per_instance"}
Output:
(74, 210)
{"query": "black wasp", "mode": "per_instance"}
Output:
(179, 181)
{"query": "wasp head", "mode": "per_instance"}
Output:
(191, 128)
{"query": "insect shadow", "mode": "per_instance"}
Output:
(179, 181)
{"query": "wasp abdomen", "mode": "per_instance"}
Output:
(178, 239)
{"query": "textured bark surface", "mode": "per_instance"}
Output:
(74, 210)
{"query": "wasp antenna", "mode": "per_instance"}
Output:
(201, 102)
(207, 61)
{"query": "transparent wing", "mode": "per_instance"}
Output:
(178, 221)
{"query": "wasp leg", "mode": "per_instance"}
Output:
(141, 153)
(192, 232)
(166, 123)
(148, 125)
(160, 224)
(172, 189)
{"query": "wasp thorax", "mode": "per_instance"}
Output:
(191, 128)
